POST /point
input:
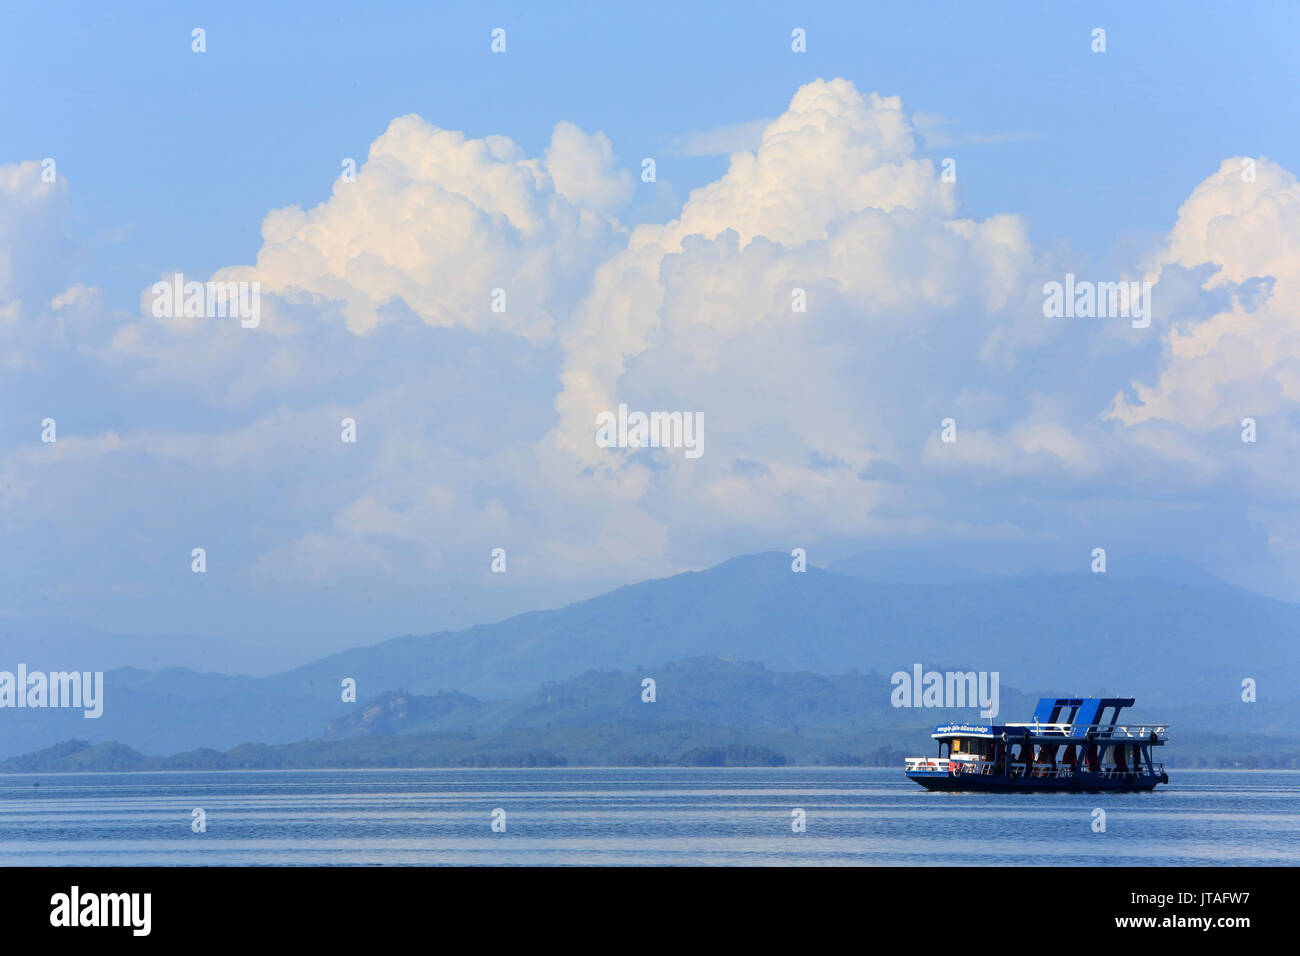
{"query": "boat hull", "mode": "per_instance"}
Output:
(993, 783)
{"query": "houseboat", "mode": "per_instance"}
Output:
(1072, 744)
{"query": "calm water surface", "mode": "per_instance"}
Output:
(633, 816)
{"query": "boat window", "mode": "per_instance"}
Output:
(956, 745)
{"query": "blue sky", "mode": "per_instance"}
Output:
(256, 123)
(172, 161)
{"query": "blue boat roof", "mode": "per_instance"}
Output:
(1050, 710)
(1086, 710)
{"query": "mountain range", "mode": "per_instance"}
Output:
(1179, 643)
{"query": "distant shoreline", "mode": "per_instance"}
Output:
(466, 752)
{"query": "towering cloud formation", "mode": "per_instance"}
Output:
(815, 302)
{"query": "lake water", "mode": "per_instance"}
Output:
(633, 816)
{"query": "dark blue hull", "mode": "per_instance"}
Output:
(1075, 783)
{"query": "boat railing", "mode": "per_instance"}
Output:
(1063, 771)
(1100, 731)
(918, 764)
(1041, 770)
(1021, 769)
(942, 763)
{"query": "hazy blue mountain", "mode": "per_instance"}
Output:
(712, 690)
(1167, 642)
(1068, 633)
